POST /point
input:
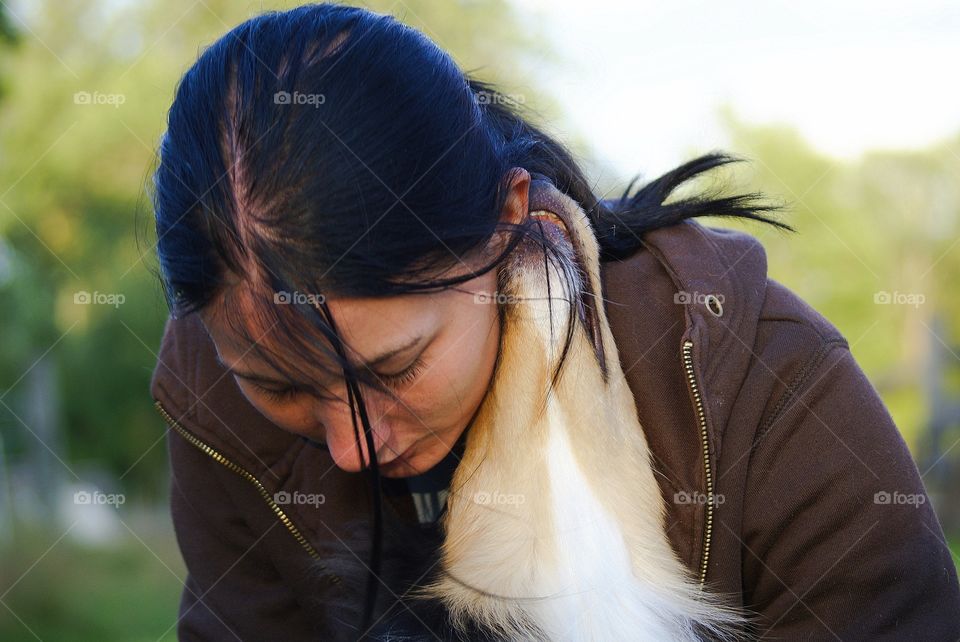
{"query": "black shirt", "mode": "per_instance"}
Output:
(429, 489)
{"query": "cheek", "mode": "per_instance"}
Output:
(479, 372)
(455, 384)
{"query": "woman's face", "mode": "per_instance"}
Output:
(440, 352)
(437, 352)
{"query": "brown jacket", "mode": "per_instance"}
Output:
(820, 522)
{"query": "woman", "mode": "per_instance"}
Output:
(337, 205)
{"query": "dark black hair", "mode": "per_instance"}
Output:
(332, 150)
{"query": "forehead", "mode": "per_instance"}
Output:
(367, 326)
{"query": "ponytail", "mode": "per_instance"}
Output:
(619, 223)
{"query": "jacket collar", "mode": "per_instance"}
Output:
(721, 275)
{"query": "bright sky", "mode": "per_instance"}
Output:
(643, 80)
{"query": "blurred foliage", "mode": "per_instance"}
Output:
(129, 592)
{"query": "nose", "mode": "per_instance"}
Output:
(342, 439)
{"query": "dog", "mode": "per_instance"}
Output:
(554, 525)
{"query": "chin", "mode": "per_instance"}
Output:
(405, 467)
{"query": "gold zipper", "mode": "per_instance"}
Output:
(705, 444)
(216, 456)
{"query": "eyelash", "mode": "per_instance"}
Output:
(395, 380)
(405, 376)
(278, 395)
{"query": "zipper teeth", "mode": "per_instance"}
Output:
(705, 444)
(216, 456)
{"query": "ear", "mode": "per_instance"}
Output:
(517, 203)
(516, 206)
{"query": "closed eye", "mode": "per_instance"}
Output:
(282, 394)
(396, 380)
(405, 376)
(288, 393)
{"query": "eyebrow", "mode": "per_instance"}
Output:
(371, 364)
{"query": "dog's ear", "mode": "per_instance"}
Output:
(547, 202)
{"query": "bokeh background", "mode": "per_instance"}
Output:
(848, 114)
